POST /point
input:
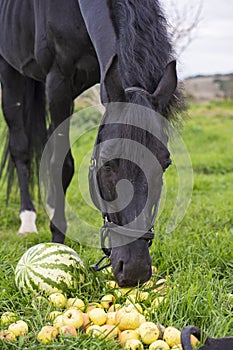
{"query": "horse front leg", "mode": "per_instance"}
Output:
(62, 164)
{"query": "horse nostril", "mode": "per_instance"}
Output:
(121, 264)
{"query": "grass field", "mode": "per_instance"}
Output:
(196, 258)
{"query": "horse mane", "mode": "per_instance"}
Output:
(143, 48)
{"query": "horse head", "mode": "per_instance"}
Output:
(129, 159)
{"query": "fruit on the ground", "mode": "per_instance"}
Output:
(111, 318)
(119, 292)
(154, 270)
(8, 317)
(94, 330)
(172, 336)
(58, 321)
(111, 284)
(177, 347)
(149, 284)
(58, 300)
(127, 335)
(47, 334)
(133, 306)
(194, 340)
(109, 331)
(127, 319)
(7, 336)
(68, 331)
(142, 319)
(159, 345)
(149, 332)
(49, 268)
(92, 306)
(86, 320)
(18, 328)
(73, 317)
(133, 344)
(142, 296)
(107, 301)
(161, 286)
(98, 316)
(53, 314)
(115, 307)
(75, 303)
(156, 302)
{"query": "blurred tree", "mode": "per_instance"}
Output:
(184, 19)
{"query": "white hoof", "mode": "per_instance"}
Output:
(28, 222)
(50, 211)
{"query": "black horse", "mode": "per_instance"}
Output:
(53, 51)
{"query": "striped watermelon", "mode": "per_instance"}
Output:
(49, 268)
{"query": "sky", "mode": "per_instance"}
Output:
(211, 51)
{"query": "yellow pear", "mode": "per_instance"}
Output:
(18, 328)
(172, 336)
(58, 300)
(159, 345)
(127, 335)
(68, 331)
(111, 318)
(98, 316)
(107, 301)
(126, 318)
(75, 303)
(109, 331)
(149, 332)
(7, 336)
(47, 334)
(133, 344)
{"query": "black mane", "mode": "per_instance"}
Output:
(144, 48)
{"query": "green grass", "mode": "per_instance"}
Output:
(197, 257)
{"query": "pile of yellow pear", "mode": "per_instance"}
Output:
(126, 322)
(107, 319)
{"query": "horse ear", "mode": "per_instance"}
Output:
(167, 85)
(112, 90)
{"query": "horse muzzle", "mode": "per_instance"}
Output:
(131, 263)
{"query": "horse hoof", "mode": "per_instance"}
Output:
(28, 223)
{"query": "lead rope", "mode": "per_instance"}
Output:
(104, 234)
